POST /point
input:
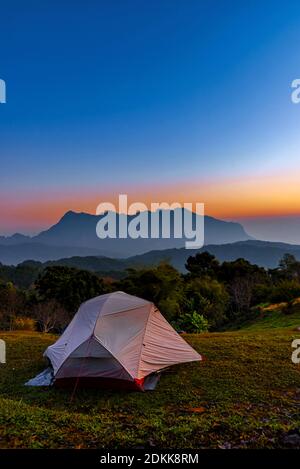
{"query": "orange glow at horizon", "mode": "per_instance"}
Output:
(275, 195)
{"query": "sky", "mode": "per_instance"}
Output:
(165, 100)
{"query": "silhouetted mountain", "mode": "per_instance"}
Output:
(17, 238)
(78, 231)
(262, 253)
(265, 254)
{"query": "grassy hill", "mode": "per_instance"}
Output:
(246, 394)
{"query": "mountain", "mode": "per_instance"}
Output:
(14, 254)
(263, 253)
(75, 234)
(17, 238)
(79, 229)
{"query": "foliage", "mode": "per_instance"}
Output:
(193, 322)
(226, 293)
(202, 265)
(50, 316)
(286, 290)
(262, 293)
(290, 266)
(243, 281)
(12, 303)
(22, 275)
(163, 285)
(241, 268)
(22, 323)
(69, 286)
(274, 317)
(207, 297)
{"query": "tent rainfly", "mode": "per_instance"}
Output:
(117, 340)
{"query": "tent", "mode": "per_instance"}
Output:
(117, 340)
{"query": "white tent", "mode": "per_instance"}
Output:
(117, 339)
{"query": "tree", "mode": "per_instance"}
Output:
(286, 291)
(69, 286)
(242, 279)
(202, 264)
(12, 302)
(241, 289)
(50, 315)
(241, 268)
(207, 297)
(290, 266)
(22, 275)
(163, 285)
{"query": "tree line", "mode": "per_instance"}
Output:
(209, 296)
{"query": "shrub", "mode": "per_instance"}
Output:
(208, 297)
(286, 291)
(193, 322)
(262, 293)
(50, 316)
(162, 284)
(169, 307)
(23, 324)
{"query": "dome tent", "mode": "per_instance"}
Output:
(117, 340)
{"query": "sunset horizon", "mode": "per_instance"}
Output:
(168, 118)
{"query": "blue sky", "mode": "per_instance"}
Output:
(102, 94)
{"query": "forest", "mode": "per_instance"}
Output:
(210, 296)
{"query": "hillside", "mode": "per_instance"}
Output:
(262, 253)
(244, 395)
(273, 317)
(15, 254)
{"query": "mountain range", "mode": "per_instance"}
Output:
(265, 254)
(73, 241)
(75, 235)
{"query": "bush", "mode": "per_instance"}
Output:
(262, 293)
(207, 297)
(23, 324)
(169, 308)
(162, 285)
(50, 316)
(286, 291)
(193, 322)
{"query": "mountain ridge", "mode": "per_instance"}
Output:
(263, 253)
(77, 230)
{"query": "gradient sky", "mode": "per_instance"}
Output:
(163, 100)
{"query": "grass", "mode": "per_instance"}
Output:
(272, 317)
(246, 394)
